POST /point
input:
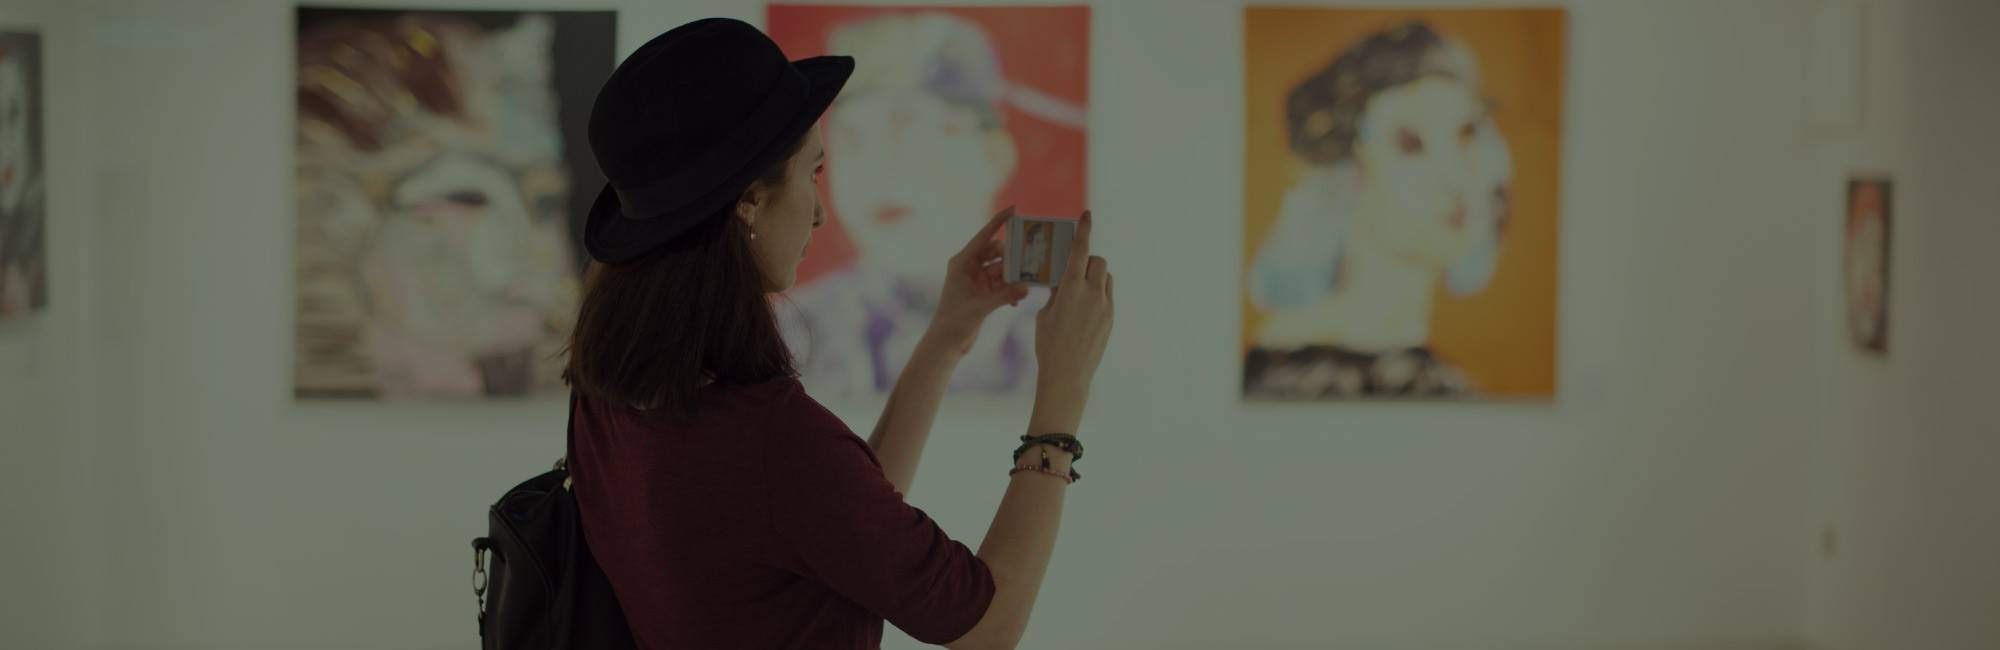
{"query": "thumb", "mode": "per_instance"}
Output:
(1004, 294)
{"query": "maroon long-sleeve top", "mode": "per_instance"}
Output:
(762, 522)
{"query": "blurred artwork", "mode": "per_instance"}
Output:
(1867, 263)
(1401, 185)
(1038, 250)
(1035, 260)
(952, 114)
(23, 229)
(441, 160)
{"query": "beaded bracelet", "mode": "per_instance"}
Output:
(1065, 479)
(1063, 441)
(1045, 467)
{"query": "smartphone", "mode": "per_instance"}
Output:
(1038, 249)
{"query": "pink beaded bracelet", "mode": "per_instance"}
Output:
(1044, 470)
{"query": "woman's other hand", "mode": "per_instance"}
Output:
(974, 287)
(1070, 335)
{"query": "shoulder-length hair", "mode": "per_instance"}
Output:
(1323, 113)
(653, 331)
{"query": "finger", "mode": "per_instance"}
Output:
(1014, 294)
(992, 226)
(989, 253)
(1108, 298)
(1079, 249)
(993, 276)
(1094, 274)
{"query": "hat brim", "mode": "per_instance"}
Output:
(611, 238)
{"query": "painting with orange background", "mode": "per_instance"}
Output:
(1402, 177)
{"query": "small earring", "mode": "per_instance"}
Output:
(753, 235)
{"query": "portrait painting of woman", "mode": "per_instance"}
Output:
(1401, 210)
(958, 113)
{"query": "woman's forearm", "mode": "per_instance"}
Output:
(905, 425)
(1021, 540)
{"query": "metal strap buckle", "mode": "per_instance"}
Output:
(479, 577)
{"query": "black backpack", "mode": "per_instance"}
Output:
(543, 590)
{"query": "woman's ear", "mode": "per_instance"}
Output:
(750, 204)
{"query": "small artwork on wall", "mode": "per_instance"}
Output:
(441, 161)
(23, 213)
(1866, 261)
(1403, 170)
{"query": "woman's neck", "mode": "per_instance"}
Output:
(1382, 303)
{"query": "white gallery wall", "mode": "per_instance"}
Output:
(1673, 496)
(50, 406)
(1909, 446)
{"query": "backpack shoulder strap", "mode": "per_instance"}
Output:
(569, 440)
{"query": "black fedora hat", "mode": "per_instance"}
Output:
(688, 122)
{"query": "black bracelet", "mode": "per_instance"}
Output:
(1063, 441)
(1045, 468)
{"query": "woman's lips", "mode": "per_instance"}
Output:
(891, 213)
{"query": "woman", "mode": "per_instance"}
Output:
(728, 509)
(1406, 186)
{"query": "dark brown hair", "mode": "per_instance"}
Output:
(1323, 113)
(652, 331)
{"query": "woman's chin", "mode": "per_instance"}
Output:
(783, 284)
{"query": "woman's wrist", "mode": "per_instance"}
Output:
(953, 339)
(1050, 454)
(1060, 412)
(945, 343)
(1048, 460)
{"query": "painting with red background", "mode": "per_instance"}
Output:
(1046, 49)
